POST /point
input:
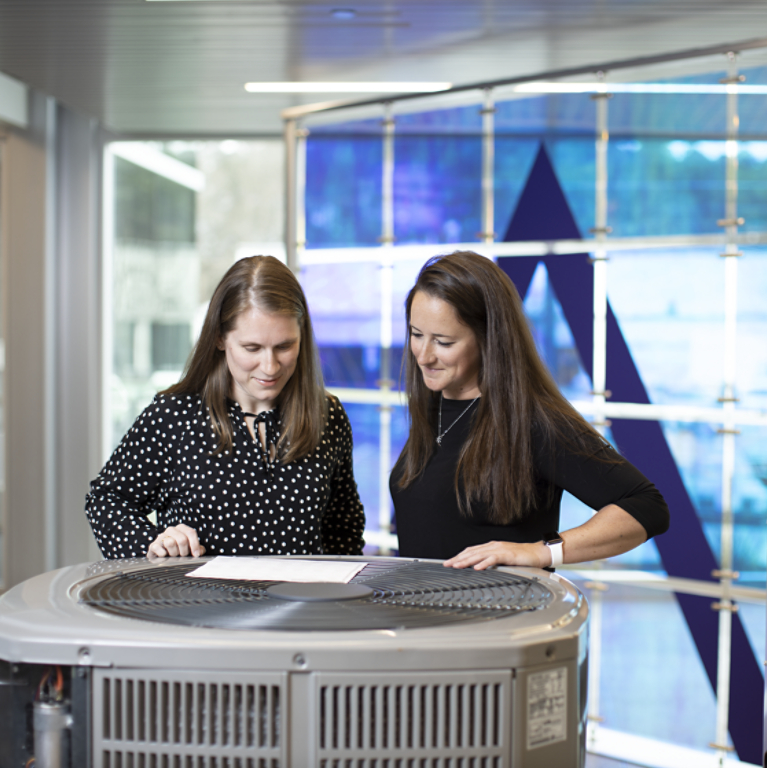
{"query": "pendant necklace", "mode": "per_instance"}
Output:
(440, 433)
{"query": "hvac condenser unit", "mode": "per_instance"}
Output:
(130, 664)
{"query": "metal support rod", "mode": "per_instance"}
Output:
(599, 372)
(52, 520)
(387, 178)
(488, 168)
(387, 267)
(300, 197)
(730, 222)
(291, 200)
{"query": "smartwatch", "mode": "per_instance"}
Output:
(556, 545)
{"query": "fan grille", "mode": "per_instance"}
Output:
(405, 594)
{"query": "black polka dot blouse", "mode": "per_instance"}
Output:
(240, 503)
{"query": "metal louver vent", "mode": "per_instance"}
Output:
(402, 595)
(451, 719)
(193, 719)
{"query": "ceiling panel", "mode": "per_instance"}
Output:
(179, 67)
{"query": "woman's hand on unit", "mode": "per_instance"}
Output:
(495, 553)
(611, 531)
(176, 541)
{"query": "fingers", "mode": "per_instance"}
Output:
(480, 557)
(495, 553)
(156, 550)
(479, 563)
(177, 541)
(187, 540)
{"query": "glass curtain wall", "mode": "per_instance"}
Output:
(632, 218)
(179, 215)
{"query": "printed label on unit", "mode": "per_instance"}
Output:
(546, 707)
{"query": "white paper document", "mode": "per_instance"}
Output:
(278, 569)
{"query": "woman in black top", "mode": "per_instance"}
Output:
(493, 443)
(247, 454)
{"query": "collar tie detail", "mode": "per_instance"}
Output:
(271, 427)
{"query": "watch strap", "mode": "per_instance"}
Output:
(556, 545)
(557, 554)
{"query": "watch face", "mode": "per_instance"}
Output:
(552, 538)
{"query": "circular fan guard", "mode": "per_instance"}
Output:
(404, 595)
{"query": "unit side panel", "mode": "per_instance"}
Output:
(547, 728)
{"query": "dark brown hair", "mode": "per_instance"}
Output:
(518, 392)
(265, 283)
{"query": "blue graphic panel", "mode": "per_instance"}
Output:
(662, 187)
(514, 156)
(543, 214)
(557, 348)
(752, 110)
(685, 309)
(365, 421)
(575, 162)
(752, 173)
(343, 190)
(752, 330)
(698, 116)
(344, 301)
(437, 188)
(537, 116)
(553, 338)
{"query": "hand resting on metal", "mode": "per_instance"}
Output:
(611, 531)
(176, 541)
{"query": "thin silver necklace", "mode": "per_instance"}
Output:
(440, 433)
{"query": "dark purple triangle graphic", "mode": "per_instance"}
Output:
(544, 214)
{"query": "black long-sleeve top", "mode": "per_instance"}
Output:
(240, 503)
(430, 525)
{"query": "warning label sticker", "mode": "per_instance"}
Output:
(546, 707)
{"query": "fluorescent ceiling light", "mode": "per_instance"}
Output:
(368, 87)
(146, 156)
(601, 87)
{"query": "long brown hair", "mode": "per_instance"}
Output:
(265, 283)
(518, 392)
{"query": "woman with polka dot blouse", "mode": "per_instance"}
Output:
(247, 454)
